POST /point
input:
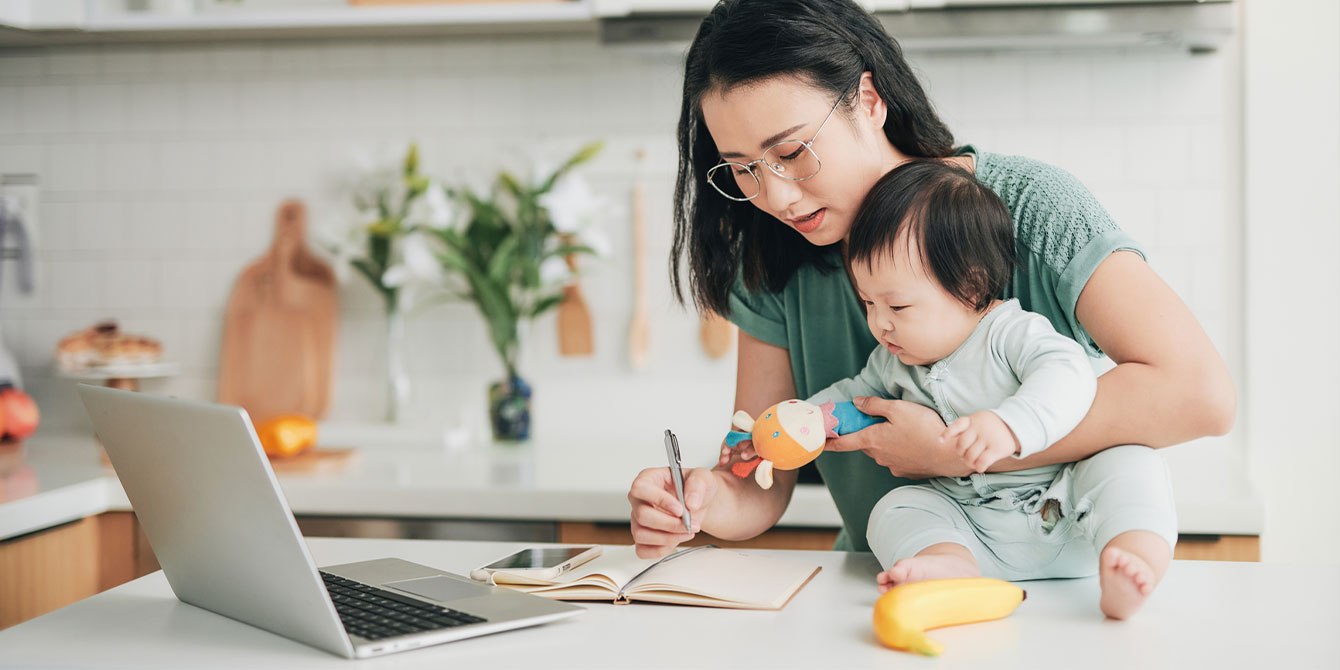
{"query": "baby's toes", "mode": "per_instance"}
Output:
(1107, 559)
(899, 572)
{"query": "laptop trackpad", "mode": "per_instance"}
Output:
(439, 587)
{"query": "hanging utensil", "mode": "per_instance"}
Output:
(639, 328)
(574, 317)
(716, 334)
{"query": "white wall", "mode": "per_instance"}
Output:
(1291, 106)
(162, 166)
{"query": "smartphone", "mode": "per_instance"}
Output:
(539, 562)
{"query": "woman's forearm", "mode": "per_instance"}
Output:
(1140, 404)
(741, 509)
(1170, 384)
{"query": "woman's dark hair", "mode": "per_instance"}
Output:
(963, 231)
(828, 43)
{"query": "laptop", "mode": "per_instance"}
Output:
(210, 505)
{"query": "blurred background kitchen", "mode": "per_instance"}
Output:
(147, 148)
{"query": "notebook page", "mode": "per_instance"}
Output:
(729, 575)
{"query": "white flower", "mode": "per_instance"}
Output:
(417, 264)
(571, 204)
(554, 271)
(599, 241)
(432, 209)
(344, 249)
(419, 258)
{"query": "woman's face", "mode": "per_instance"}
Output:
(852, 149)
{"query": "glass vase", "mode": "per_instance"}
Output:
(397, 379)
(509, 409)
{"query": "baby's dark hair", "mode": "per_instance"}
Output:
(964, 231)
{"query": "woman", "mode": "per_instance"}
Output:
(791, 111)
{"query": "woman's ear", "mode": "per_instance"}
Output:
(870, 108)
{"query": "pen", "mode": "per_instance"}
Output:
(672, 455)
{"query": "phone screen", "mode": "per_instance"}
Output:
(546, 557)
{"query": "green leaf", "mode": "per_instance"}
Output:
(411, 165)
(545, 304)
(565, 249)
(383, 227)
(501, 264)
(367, 269)
(583, 155)
(511, 184)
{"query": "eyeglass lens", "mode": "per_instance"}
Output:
(790, 160)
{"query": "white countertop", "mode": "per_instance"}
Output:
(396, 473)
(1204, 615)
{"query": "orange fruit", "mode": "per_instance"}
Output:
(287, 435)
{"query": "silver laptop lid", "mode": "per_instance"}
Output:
(211, 507)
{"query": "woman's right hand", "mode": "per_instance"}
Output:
(658, 519)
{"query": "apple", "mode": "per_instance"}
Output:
(19, 412)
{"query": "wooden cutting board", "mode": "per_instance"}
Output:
(320, 459)
(279, 327)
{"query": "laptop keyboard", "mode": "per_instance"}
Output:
(376, 613)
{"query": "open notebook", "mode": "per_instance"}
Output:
(705, 576)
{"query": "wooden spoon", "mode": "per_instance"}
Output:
(638, 328)
(716, 334)
(574, 317)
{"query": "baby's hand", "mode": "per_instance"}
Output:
(980, 439)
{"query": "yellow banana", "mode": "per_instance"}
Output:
(906, 611)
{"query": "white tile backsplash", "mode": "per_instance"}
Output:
(100, 227)
(210, 105)
(73, 168)
(1046, 100)
(77, 61)
(156, 226)
(130, 285)
(1159, 153)
(100, 108)
(246, 58)
(46, 109)
(10, 108)
(131, 167)
(189, 166)
(162, 166)
(154, 106)
(22, 158)
(76, 285)
(131, 60)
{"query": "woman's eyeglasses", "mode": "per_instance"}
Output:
(789, 159)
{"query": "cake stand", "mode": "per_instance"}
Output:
(123, 376)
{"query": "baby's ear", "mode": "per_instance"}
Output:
(978, 286)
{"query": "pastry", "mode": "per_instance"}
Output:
(105, 345)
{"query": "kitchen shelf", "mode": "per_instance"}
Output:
(919, 24)
(571, 16)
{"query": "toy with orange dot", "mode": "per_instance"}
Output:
(791, 434)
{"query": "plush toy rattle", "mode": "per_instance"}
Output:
(791, 434)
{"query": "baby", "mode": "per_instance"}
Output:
(930, 252)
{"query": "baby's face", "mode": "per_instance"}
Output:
(907, 310)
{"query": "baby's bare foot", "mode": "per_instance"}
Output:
(1127, 580)
(926, 566)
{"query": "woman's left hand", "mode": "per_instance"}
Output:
(907, 444)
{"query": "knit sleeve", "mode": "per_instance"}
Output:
(759, 313)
